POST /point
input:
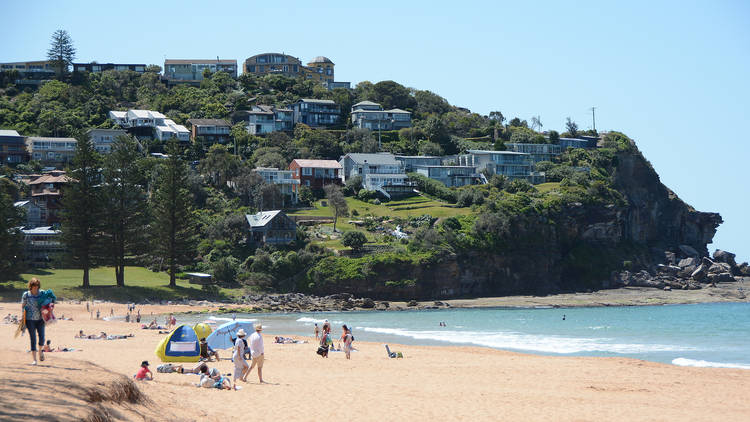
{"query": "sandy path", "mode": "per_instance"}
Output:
(449, 383)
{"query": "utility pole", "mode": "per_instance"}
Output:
(593, 117)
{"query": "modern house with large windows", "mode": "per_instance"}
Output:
(376, 170)
(262, 119)
(451, 176)
(538, 152)
(103, 138)
(513, 165)
(316, 113)
(95, 67)
(319, 69)
(30, 73)
(212, 130)
(284, 179)
(12, 147)
(369, 115)
(191, 70)
(51, 150)
(149, 124)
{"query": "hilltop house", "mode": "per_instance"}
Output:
(262, 119)
(287, 184)
(315, 173)
(319, 69)
(46, 191)
(451, 176)
(538, 152)
(316, 113)
(271, 227)
(51, 150)
(513, 165)
(369, 115)
(410, 162)
(12, 147)
(94, 67)
(149, 124)
(212, 130)
(190, 71)
(377, 170)
(103, 138)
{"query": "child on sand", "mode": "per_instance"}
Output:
(144, 373)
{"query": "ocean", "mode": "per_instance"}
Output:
(710, 335)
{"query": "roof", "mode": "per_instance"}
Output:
(208, 122)
(198, 274)
(6, 132)
(199, 61)
(262, 218)
(376, 159)
(484, 151)
(147, 114)
(119, 114)
(20, 203)
(41, 230)
(44, 138)
(418, 156)
(321, 59)
(366, 103)
(48, 178)
(313, 100)
(325, 164)
(393, 175)
(397, 110)
(94, 129)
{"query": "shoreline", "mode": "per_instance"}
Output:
(422, 385)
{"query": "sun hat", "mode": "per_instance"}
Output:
(258, 327)
(241, 333)
(145, 362)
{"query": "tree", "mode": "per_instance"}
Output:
(61, 51)
(336, 201)
(536, 123)
(219, 165)
(572, 127)
(125, 201)
(497, 116)
(82, 209)
(11, 238)
(354, 239)
(173, 231)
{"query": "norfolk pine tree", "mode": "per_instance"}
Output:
(174, 228)
(126, 207)
(82, 208)
(61, 51)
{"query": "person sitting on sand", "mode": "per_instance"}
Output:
(207, 352)
(80, 334)
(212, 378)
(144, 373)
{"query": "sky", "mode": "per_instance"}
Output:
(673, 75)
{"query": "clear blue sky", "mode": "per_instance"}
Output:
(674, 75)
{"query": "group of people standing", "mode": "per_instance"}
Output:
(326, 341)
(241, 367)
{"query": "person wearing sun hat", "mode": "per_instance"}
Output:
(256, 351)
(240, 364)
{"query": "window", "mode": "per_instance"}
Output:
(307, 171)
(307, 183)
(261, 68)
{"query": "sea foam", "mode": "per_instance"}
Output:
(530, 342)
(707, 364)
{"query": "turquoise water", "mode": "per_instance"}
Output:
(716, 334)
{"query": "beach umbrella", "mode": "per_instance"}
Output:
(202, 330)
(221, 337)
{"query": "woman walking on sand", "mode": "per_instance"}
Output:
(240, 364)
(33, 317)
(347, 337)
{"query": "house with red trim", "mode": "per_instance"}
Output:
(315, 173)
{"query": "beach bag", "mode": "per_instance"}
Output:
(322, 350)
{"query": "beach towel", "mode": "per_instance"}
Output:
(21, 325)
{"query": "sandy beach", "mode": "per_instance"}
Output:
(449, 383)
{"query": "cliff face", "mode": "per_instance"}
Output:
(578, 252)
(656, 216)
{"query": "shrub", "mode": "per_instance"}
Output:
(354, 239)
(365, 195)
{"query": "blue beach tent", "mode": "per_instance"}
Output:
(221, 337)
(181, 345)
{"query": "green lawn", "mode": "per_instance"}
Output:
(404, 208)
(140, 283)
(546, 187)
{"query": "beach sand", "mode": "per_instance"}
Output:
(430, 383)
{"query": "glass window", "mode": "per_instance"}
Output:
(307, 171)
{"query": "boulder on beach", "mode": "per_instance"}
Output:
(725, 257)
